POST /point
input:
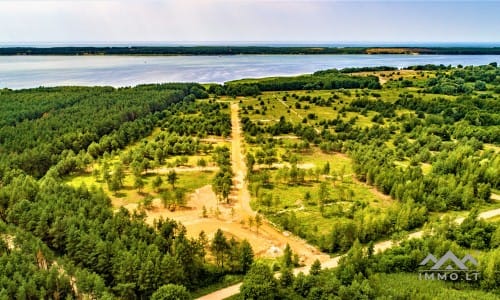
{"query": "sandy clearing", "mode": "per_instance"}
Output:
(233, 217)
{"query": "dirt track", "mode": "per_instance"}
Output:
(241, 197)
(333, 262)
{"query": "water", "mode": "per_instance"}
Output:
(18, 72)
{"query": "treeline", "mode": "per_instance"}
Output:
(178, 50)
(322, 80)
(368, 69)
(357, 223)
(235, 50)
(40, 124)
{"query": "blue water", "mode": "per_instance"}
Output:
(18, 72)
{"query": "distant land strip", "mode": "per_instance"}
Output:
(239, 50)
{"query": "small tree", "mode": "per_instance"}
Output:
(287, 259)
(167, 199)
(148, 202)
(315, 268)
(156, 183)
(250, 222)
(326, 168)
(250, 161)
(138, 183)
(323, 193)
(172, 178)
(259, 283)
(180, 197)
(286, 279)
(202, 163)
(105, 171)
(307, 197)
(258, 222)
(113, 183)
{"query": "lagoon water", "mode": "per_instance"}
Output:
(18, 72)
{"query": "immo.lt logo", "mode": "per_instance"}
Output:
(449, 267)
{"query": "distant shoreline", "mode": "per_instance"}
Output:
(243, 50)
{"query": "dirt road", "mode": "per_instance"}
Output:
(307, 253)
(333, 262)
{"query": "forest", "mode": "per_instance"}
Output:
(341, 159)
(59, 241)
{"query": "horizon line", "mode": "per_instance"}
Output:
(248, 43)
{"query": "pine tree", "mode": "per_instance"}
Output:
(219, 246)
(315, 268)
(246, 256)
(287, 257)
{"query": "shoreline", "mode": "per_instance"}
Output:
(241, 50)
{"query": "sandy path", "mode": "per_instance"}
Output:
(164, 170)
(296, 113)
(333, 262)
(241, 196)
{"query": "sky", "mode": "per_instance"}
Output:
(280, 21)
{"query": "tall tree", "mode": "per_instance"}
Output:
(219, 246)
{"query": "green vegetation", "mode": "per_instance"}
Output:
(59, 240)
(328, 79)
(422, 152)
(163, 164)
(361, 274)
(52, 126)
(337, 159)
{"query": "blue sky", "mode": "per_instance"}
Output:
(249, 20)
